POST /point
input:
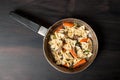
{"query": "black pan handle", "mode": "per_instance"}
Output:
(29, 24)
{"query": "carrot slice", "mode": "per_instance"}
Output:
(58, 29)
(83, 61)
(73, 53)
(68, 24)
(65, 65)
(84, 40)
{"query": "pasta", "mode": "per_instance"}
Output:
(70, 44)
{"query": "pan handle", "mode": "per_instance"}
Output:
(29, 24)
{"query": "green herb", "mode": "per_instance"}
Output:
(86, 51)
(54, 37)
(75, 24)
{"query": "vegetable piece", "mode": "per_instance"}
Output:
(65, 65)
(84, 40)
(58, 29)
(83, 61)
(86, 51)
(72, 51)
(68, 24)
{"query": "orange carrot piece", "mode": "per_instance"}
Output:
(68, 24)
(58, 29)
(65, 65)
(84, 40)
(73, 53)
(83, 61)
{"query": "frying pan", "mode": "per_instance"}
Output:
(47, 32)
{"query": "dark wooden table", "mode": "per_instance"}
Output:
(21, 54)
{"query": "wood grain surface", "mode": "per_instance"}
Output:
(21, 53)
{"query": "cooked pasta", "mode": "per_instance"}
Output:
(70, 44)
